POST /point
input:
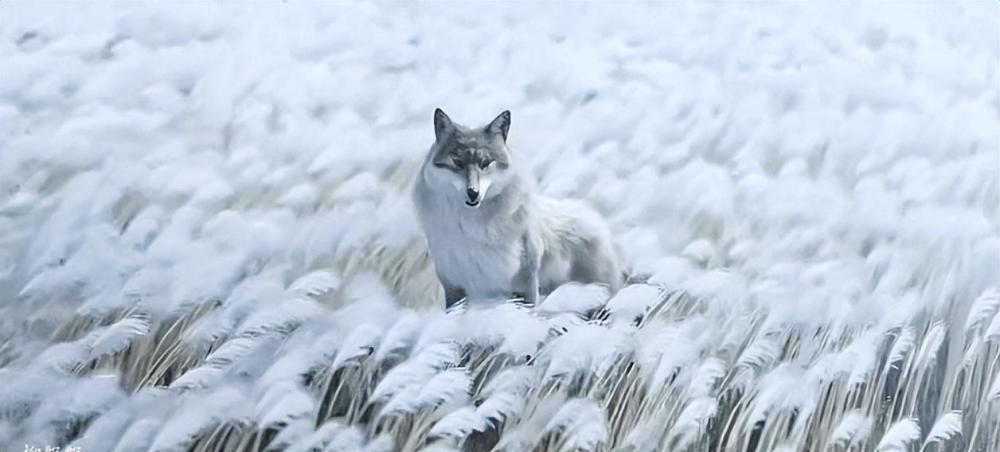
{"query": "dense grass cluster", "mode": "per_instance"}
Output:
(649, 369)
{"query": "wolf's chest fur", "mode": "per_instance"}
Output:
(471, 251)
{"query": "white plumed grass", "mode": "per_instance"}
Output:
(899, 436)
(945, 428)
(207, 241)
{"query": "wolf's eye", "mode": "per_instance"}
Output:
(486, 164)
(458, 162)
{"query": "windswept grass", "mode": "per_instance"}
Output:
(207, 241)
(682, 375)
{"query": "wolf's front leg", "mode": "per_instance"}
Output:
(531, 297)
(531, 265)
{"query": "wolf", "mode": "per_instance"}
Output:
(491, 235)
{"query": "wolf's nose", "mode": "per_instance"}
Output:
(473, 194)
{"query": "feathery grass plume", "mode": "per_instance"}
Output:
(691, 422)
(528, 430)
(445, 388)
(118, 336)
(664, 351)
(853, 428)
(930, 345)
(579, 425)
(442, 393)
(416, 371)
(347, 440)
(318, 439)
(632, 302)
(580, 299)
(282, 403)
(983, 308)
(361, 342)
(139, 435)
(291, 432)
(904, 342)
(313, 284)
(156, 358)
(182, 428)
(900, 434)
(70, 408)
(506, 394)
(103, 432)
(280, 318)
(381, 443)
(66, 356)
(397, 341)
(946, 427)
(233, 355)
(458, 424)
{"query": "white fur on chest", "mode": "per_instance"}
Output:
(471, 253)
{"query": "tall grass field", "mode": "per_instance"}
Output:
(208, 243)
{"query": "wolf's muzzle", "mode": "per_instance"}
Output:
(472, 185)
(473, 195)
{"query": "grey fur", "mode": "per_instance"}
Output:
(506, 238)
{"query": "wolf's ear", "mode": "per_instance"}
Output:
(500, 125)
(442, 124)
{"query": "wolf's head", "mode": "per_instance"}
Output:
(471, 159)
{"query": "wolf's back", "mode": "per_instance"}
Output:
(577, 239)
